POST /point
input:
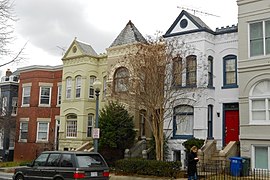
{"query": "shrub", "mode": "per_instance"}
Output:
(135, 166)
(193, 142)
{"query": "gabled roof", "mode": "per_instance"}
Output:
(86, 48)
(78, 48)
(130, 34)
(187, 23)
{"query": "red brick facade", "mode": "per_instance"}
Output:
(36, 75)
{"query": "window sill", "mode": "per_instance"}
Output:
(229, 86)
(25, 105)
(182, 136)
(22, 140)
(44, 105)
(42, 141)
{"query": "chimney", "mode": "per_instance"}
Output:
(8, 72)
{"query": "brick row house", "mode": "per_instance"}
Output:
(39, 98)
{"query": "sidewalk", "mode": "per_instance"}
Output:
(112, 176)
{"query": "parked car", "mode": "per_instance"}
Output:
(64, 165)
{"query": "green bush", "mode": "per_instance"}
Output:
(193, 142)
(147, 167)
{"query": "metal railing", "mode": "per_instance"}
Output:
(220, 170)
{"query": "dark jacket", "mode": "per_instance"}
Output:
(192, 164)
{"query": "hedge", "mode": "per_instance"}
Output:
(134, 166)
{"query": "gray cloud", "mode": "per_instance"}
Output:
(51, 23)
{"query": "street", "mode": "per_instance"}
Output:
(5, 176)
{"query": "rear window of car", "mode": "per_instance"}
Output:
(88, 160)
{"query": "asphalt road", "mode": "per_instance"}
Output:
(5, 176)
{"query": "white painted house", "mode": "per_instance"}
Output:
(206, 81)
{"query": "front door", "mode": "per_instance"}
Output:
(231, 129)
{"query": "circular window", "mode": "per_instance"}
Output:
(183, 23)
(74, 49)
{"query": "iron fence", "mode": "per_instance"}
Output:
(220, 170)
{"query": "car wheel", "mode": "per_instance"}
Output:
(58, 178)
(19, 177)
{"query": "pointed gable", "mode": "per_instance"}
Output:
(187, 23)
(78, 48)
(130, 34)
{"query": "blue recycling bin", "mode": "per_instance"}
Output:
(236, 166)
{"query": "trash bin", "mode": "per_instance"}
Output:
(245, 166)
(236, 166)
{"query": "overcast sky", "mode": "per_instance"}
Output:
(50, 26)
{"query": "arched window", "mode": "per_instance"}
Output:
(68, 87)
(121, 80)
(210, 71)
(90, 124)
(183, 121)
(71, 125)
(260, 103)
(230, 71)
(191, 71)
(177, 71)
(91, 87)
(78, 86)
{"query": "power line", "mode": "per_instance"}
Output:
(197, 11)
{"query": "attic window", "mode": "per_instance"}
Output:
(74, 49)
(183, 23)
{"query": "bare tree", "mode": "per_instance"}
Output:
(153, 81)
(7, 19)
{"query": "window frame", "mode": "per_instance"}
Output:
(45, 96)
(190, 61)
(24, 95)
(68, 87)
(23, 131)
(177, 70)
(119, 78)
(175, 114)
(91, 87)
(90, 126)
(78, 86)
(46, 131)
(263, 97)
(225, 84)
(210, 71)
(71, 130)
(253, 156)
(14, 106)
(59, 94)
(263, 38)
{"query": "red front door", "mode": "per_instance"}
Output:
(231, 126)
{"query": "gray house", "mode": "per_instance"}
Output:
(254, 80)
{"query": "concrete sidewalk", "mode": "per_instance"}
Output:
(112, 175)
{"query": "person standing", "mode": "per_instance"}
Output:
(192, 163)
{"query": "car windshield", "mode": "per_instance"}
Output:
(88, 160)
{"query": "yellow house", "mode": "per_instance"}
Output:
(81, 67)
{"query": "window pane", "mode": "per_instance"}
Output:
(41, 160)
(267, 37)
(261, 157)
(258, 104)
(256, 39)
(256, 30)
(256, 47)
(258, 115)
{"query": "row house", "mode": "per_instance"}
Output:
(254, 81)
(205, 84)
(8, 105)
(38, 116)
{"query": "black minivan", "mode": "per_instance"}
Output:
(65, 165)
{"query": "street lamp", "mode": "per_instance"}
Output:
(97, 87)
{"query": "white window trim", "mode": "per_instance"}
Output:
(253, 154)
(267, 109)
(91, 87)
(90, 114)
(23, 89)
(264, 50)
(72, 137)
(50, 97)
(78, 86)
(47, 138)
(68, 88)
(23, 120)
(59, 94)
